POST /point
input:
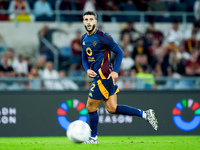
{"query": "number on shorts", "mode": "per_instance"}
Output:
(93, 86)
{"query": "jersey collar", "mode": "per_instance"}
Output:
(92, 33)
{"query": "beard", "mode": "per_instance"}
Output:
(91, 29)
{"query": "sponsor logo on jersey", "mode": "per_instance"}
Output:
(89, 51)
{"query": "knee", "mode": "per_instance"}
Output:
(91, 108)
(111, 110)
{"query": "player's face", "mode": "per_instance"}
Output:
(89, 22)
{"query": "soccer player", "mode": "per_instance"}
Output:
(96, 47)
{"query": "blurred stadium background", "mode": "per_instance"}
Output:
(40, 60)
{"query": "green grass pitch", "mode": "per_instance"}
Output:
(105, 143)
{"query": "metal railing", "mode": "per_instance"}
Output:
(81, 83)
(113, 14)
(54, 51)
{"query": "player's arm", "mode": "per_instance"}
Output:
(119, 56)
(86, 66)
(91, 73)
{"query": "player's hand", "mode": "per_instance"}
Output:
(91, 73)
(114, 76)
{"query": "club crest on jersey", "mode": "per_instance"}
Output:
(94, 43)
(83, 42)
(89, 51)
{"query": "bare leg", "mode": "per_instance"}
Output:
(111, 104)
(92, 104)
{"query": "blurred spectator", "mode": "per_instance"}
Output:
(60, 84)
(174, 34)
(155, 48)
(195, 28)
(176, 70)
(127, 64)
(125, 43)
(40, 65)
(172, 5)
(176, 67)
(20, 67)
(34, 84)
(12, 57)
(182, 5)
(145, 79)
(171, 47)
(29, 64)
(43, 11)
(140, 48)
(3, 15)
(192, 42)
(73, 5)
(65, 84)
(66, 5)
(3, 44)
(4, 4)
(130, 29)
(31, 3)
(148, 39)
(109, 5)
(157, 34)
(100, 27)
(157, 5)
(19, 6)
(76, 52)
(192, 66)
(140, 61)
(47, 33)
(142, 5)
(129, 6)
(33, 73)
(160, 64)
(157, 70)
(90, 5)
(127, 61)
(197, 10)
(51, 74)
(182, 55)
(70, 5)
(21, 10)
(5, 70)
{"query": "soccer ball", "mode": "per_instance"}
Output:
(78, 131)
